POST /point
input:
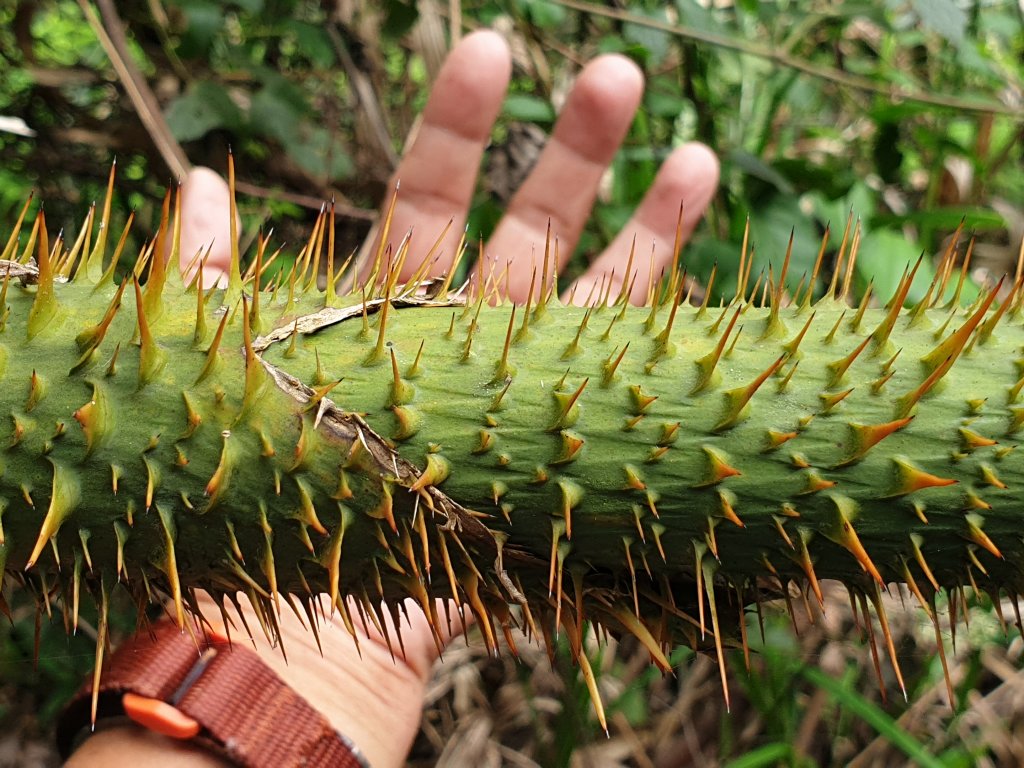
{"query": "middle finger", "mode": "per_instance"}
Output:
(562, 187)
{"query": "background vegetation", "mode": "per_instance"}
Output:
(909, 113)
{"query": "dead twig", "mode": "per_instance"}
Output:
(110, 31)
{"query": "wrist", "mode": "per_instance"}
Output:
(371, 695)
(201, 690)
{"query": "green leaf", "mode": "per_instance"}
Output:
(205, 23)
(528, 108)
(949, 217)
(664, 103)
(277, 107)
(859, 200)
(873, 716)
(318, 152)
(204, 107)
(654, 41)
(399, 18)
(250, 6)
(884, 255)
(768, 755)
(770, 226)
(944, 17)
(312, 41)
(756, 167)
(542, 13)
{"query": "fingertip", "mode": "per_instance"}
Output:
(699, 159)
(205, 213)
(618, 69)
(482, 56)
(611, 85)
(689, 175)
(467, 95)
(486, 43)
(204, 179)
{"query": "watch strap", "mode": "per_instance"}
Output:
(209, 689)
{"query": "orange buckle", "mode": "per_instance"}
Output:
(164, 717)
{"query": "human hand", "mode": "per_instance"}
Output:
(368, 696)
(438, 176)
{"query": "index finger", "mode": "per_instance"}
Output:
(438, 173)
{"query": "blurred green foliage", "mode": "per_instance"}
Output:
(908, 113)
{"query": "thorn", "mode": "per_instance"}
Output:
(574, 346)
(436, 472)
(234, 289)
(793, 345)
(557, 530)
(64, 496)
(843, 533)
(872, 644)
(744, 270)
(171, 564)
(571, 494)
(402, 392)
(727, 504)
(816, 483)
(830, 400)
(153, 301)
(707, 364)
(503, 370)
(151, 357)
(955, 301)
(911, 478)
(838, 368)
(865, 437)
(737, 399)
(978, 536)
(663, 340)
(571, 445)
(808, 567)
(568, 410)
(707, 569)
(523, 334)
(610, 366)
(719, 468)
(254, 311)
(945, 354)
(779, 522)
(89, 340)
(851, 263)
(377, 355)
(831, 337)
(971, 441)
(44, 305)
(36, 391)
(839, 258)
(102, 639)
(221, 477)
(12, 241)
(777, 438)
(627, 277)
(94, 418)
(989, 475)
(702, 311)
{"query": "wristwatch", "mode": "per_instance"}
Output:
(207, 689)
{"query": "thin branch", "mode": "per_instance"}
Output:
(366, 95)
(831, 74)
(112, 38)
(305, 201)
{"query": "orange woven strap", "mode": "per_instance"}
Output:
(220, 693)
